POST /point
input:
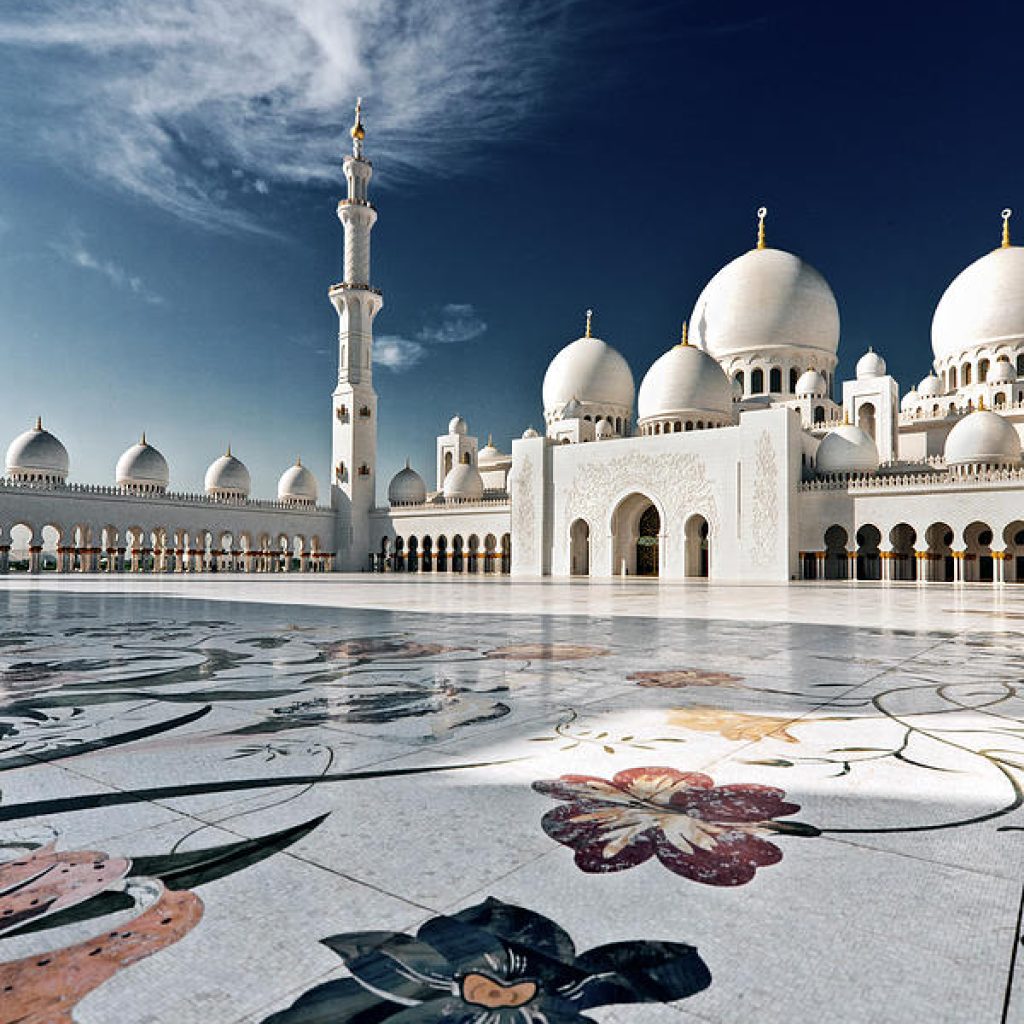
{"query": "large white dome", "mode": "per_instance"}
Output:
(846, 449)
(142, 467)
(684, 380)
(463, 483)
(297, 485)
(983, 438)
(984, 305)
(592, 372)
(407, 488)
(766, 299)
(228, 477)
(37, 454)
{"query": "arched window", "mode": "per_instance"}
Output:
(819, 414)
(965, 374)
(983, 371)
(757, 381)
(793, 378)
(740, 379)
(952, 378)
(775, 381)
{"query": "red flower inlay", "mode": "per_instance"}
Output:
(707, 833)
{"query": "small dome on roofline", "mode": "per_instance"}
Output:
(37, 456)
(297, 485)
(227, 478)
(463, 483)
(407, 487)
(846, 450)
(142, 469)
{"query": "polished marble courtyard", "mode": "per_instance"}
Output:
(362, 799)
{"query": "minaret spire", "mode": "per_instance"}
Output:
(357, 131)
(761, 214)
(1007, 214)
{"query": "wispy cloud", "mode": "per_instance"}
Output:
(196, 106)
(75, 251)
(456, 322)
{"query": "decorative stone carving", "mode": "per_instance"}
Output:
(765, 504)
(524, 544)
(679, 482)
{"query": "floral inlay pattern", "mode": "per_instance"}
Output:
(494, 963)
(733, 725)
(707, 833)
(546, 652)
(677, 678)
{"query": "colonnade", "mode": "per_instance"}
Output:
(412, 554)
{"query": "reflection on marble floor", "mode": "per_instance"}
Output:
(298, 815)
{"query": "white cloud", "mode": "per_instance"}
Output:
(162, 99)
(75, 252)
(397, 353)
(458, 322)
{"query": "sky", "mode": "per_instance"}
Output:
(169, 173)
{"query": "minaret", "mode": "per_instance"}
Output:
(354, 412)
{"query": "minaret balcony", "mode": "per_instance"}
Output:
(356, 202)
(351, 286)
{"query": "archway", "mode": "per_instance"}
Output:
(978, 553)
(458, 557)
(399, 559)
(579, 548)
(473, 546)
(940, 553)
(490, 550)
(902, 537)
(869, 559)
(427, 560)
(1013, 566)
(442, 553)
(413, 558)
(506, 553)
(696, 537)
(866, 419)
(636, 529)
(836, 560)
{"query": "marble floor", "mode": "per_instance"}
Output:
(486, 801)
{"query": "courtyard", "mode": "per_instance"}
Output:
(410, 798)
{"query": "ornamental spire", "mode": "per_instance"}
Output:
(590, 317)
(684, 340)
(761, 214)
(1007, 214)
(357, 131)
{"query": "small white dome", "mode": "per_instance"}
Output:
(909, 400)
(684, 380)
(37, 454)
(227, 477)
(530, 432)
(143, 468)
(591, 373)
(1002, 372)
(846, 449)
(297, 485)
(766, 299)
(488, 455)
(983, 438)
(407, 488)
(811, 384)
(984, 305)
(604, 430)
(463, 483)
(931, 387)
(457, 425)
(871, 364)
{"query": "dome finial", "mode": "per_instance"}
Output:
(761, 214)
(298, 460)
(490, 442)
(684, 339)
(1007, 214)
(143, 440)
(39, 423)
(228, 452)
(357, 131)
(590, 317)
(407, 466)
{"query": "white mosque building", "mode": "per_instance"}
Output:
(741, 458)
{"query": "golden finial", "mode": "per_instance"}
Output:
(298, 460)
(1007, 214)
(228, 452)
(590, 317)
(761, 214)
(143, 440)
(684, 339)
(490, 442)
(39, 423)
(357, 131)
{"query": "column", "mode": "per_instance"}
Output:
(34, 553)
(5, 559)
(958, 566)
(886, 560)
(999, 566)
(851, 565)
(62, 558)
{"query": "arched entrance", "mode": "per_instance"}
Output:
(866, 419)
(836, 561)
(636, 537)
(579, 548)
(869, 559)
(696, 539)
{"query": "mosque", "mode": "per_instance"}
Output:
(741, 458)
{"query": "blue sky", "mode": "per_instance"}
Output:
(168, 175)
